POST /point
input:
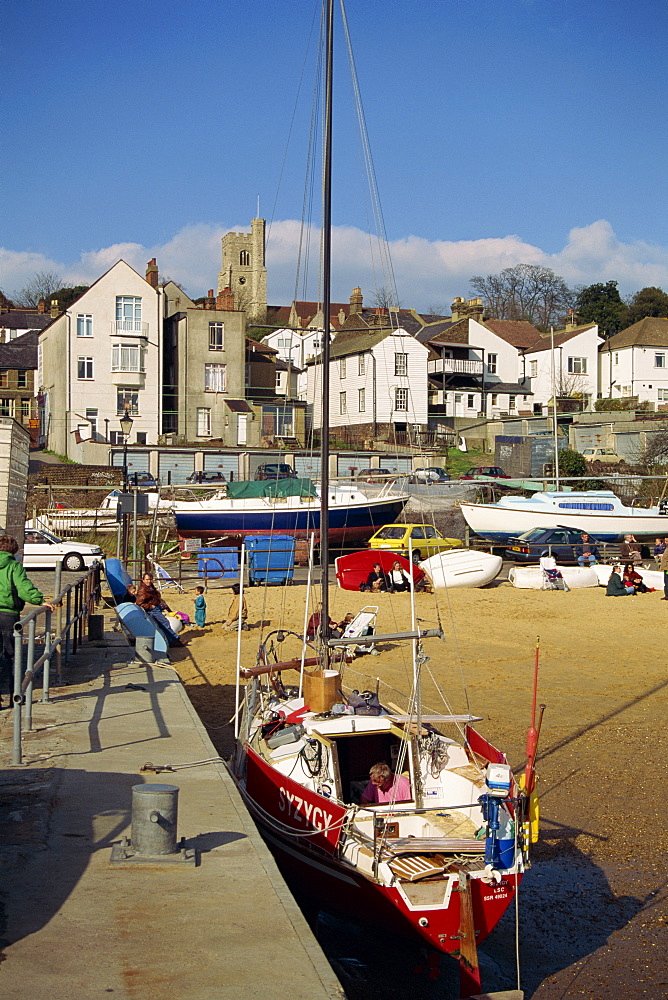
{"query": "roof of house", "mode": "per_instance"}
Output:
(21, 352)
(544, 343)
(517, 332)
(24, 319)
(652, 331)
(259, 346)
(514, 388)
(283, 366)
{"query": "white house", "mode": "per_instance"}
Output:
(377, 382)
(101, 356)
(635, 362)
(575, 366)
(296, 347)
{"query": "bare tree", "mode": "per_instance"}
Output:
(525, 292)
(385, 298)
(41, 286)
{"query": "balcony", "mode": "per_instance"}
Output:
(454, 366)
(129, 328)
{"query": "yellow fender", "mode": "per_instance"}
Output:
(531, 825)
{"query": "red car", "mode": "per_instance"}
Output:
(485, 470)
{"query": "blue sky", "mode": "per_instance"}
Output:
(502, 132)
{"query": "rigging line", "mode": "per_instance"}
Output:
(291, 126)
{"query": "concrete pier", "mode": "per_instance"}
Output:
(74, 924)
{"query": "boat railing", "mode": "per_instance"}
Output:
(43, 638)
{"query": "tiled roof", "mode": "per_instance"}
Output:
(259, 346)
(17, 319)
(652, 331)
(21, 352)
(517, 332)
(544, 343)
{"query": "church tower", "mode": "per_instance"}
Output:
(243, 270)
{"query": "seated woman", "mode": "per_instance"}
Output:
(616, 587)
(398, 579)
(313, 626)
(632, 578)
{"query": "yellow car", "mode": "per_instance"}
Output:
(425, 540)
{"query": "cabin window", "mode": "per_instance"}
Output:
(577, 366)
(491, 363)
(401, 364)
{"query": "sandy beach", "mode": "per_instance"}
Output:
(603, 745)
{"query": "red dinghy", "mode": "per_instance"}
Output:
(353, 569)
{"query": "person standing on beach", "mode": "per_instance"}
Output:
(664, 566)
(200, 607)
(15, 591)
(238, 604)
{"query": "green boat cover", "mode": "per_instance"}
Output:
(243, 490)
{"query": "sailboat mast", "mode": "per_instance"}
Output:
(326, 297)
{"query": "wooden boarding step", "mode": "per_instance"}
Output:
(412, 869)
(431, 845)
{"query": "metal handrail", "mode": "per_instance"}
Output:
(79, 599)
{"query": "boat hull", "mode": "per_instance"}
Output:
(499, 524)
(352, 570)
(347, 524)
(310, 862)
(462, 568)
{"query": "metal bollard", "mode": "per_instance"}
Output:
(154, 812)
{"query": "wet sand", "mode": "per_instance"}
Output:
(594, 907)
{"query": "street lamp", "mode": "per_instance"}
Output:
(126, 426)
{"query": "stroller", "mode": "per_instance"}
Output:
(552, 577)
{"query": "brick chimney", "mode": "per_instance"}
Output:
(55, 311)
(152, 273)
(41, 306)
(474, 309)
(356, 301)
(225, 299)
(458, 309)
(210, 300)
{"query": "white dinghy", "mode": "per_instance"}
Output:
(462, 568)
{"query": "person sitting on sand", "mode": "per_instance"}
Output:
(615, 587)
(232, 623)
(313, 626)
(376, 581)
(586, 552)
(398, 579)
(386, 786)
(632, 578)
(630, 550)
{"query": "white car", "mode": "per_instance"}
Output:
(42, 550)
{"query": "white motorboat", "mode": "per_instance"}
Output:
(65, 520)
(533, 577)
(462, 568)
(599, 512)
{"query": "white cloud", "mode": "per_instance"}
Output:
(426, 272)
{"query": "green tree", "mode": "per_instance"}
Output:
(572, 463)
(526, 292)
(67, 295)
(602, 304)
(650, 301)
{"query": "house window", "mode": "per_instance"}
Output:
(533, 369)
(91, 417)
(128, 313)
(342, 403)
(22, 380)
(401, 365)
(127, 399)
(361, 400)
(360, 364)
(216, 334)
(495, 399)
(244, 258)
(141, 437)
(470, 400)
(25, 408)
(85, 368)
(401, 399)
(342, 368)
(659, 360)
(511, 402)
(4, 379)
(663, 395)
(278, 380)
(215, 378)
(577, 366)
(127, 358)
(115, 437)
(5, 407)
(84, 325)
(491, 363)
(458, 398)
(203, 421)
(317, 344)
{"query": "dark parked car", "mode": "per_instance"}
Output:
(485, 470)
(275, 470)
(206, 477)
(143, 480)
(558, 542)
